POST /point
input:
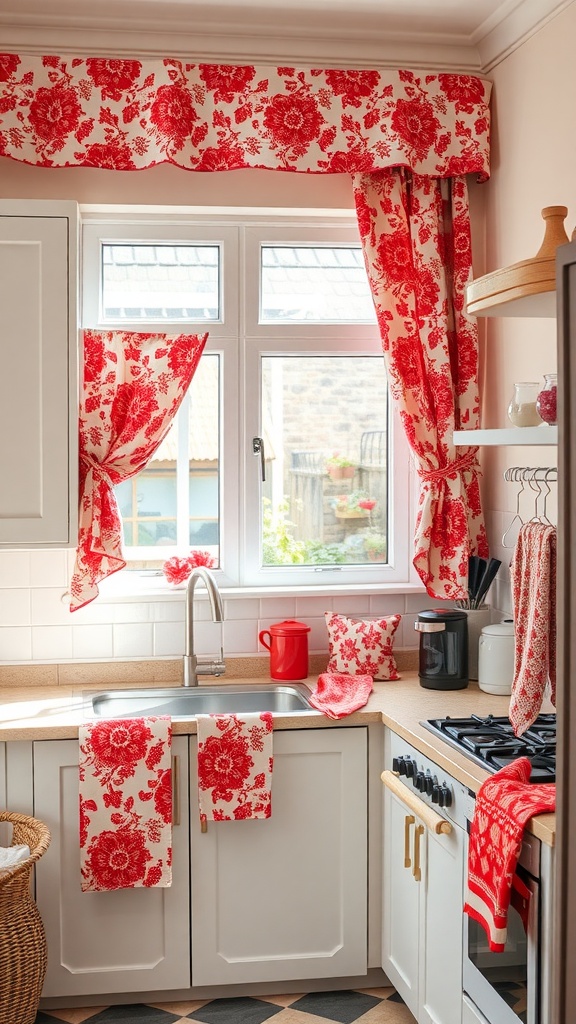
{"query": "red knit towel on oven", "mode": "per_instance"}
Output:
(505, 802)
(338, 694)
(533, 575)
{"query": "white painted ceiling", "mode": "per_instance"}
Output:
(464, 34)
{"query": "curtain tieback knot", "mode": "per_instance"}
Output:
(458, 466)
(97, 468)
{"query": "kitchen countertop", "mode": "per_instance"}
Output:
(41, 712)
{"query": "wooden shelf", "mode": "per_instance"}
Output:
(543, 434)
(527, 288)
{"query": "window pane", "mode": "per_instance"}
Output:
(325, 497)
(315, 284)
(160, 282)
(174, 502)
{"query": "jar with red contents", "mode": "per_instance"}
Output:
(546, 399)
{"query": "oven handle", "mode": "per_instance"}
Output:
(434, 822)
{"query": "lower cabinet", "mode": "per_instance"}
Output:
(286, 897)
(133, 940)
(422, 913)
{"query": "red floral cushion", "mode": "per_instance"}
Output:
(361, 647)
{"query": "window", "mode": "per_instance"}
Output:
(285, 462)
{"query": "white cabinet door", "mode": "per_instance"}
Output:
(422, 908)
(286, 898)
(442, 927)
(133, 940)
(400, 901)
(38, 382)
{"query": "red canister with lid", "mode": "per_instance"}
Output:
(288, 645)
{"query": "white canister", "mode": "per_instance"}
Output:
(496, 658)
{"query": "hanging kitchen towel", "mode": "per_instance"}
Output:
(337, 694)
(504, 803)
(125, 772)
(235, 763)
(533, 576)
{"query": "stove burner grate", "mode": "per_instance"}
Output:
(491, 743)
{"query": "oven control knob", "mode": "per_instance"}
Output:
(419, 781)
(410, 768)
(429, 784)
(398, 765)
(445, 799)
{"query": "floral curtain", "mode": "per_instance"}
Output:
(129, 114)
(133, 387)
(416, 237)
(408, 139)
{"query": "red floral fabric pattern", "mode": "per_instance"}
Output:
(504, 803)
(416, 238)
(126, 114)
(533, 578)
(235, 762)
(125, 773)
(133, 387)
(337, 694)
(357, 647)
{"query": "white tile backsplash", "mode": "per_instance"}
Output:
(36, 623)
(133, 640)
(14, 569)
(52, 643)
(92, 642)
(15, 607)
(49, 568)
(15, 643)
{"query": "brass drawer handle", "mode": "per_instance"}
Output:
(416, 871)
(408, 821)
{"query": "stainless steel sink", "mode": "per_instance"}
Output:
(187, 702)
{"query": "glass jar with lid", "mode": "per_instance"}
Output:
(522, 411)
(546, 399)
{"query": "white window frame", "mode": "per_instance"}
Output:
(241, 341)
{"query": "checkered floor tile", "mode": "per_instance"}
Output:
(368, 1006)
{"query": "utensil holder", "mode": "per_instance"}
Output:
(477, 619)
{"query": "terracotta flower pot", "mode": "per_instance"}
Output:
(341, 472)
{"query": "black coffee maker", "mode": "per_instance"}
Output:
(443, 658)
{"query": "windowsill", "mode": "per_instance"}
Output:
(134, 587)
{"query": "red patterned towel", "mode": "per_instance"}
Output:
(125, 774)
(337, 695)
(504, 804)
(234, 766)
(533, 573)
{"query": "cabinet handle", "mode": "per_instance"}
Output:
(408, 820)
(176, 789)
(434, 822)
(416, 871)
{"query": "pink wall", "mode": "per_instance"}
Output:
(533, 165)
(167, 185)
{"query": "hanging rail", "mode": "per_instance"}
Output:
(538, 479)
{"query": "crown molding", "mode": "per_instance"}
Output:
(496, 40)
(268, 36)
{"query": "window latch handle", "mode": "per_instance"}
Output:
(258, 449)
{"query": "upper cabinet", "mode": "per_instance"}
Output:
(527, 288)
(39, 379)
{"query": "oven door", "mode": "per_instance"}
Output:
(504, 986)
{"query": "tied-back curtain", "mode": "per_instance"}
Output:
(404, 135)
(416, 237)
(133, 387)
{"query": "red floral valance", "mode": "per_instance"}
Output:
(130, 114)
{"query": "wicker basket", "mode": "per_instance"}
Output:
(23, 956)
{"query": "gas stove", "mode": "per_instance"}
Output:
(491, 743)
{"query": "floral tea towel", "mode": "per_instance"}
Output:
(125, 771)
(235, 763)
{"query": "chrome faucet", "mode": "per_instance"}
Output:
(193, 667)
